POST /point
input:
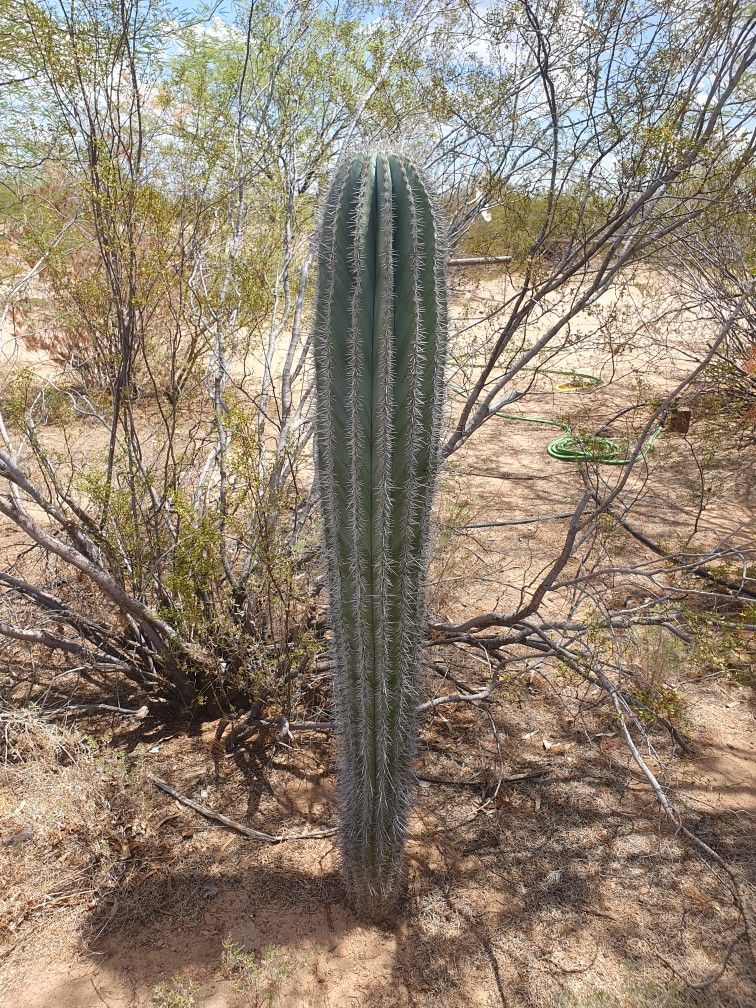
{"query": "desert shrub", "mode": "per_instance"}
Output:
(69, 819)
(657, 659)
(217, 564)
(24, 396)
(178, 992)
(524, 225)
(258, 978)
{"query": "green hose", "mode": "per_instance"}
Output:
(571, 447)
(588, 381)
(589, 448)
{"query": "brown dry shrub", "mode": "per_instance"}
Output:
(68, 819)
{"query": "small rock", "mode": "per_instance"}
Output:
(20, 836)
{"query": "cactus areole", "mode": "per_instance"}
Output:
(380, 344)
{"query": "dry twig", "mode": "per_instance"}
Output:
(222, 820)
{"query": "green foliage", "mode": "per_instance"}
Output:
(178, 992)
(719, 644)
(655, 657)
(660, 700)
(175, 548)
(525, 224)
(258, 977)
(24, 397)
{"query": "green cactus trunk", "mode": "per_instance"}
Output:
(380, 346)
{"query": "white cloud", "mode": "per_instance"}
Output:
(216, 29)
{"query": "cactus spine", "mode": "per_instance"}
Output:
(380, 346)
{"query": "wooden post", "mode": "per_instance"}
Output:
(678, 421)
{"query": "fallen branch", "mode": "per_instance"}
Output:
(698, 569)
(222, 820)
(285, 728)
(135, 712)
(478, 782)
(455, 698)
(56, 643)
(448, 782)
(666, 805)
(480, 260)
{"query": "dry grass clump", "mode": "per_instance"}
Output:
(67, 819)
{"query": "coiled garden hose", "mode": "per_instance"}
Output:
(590, 448)
(572, 447)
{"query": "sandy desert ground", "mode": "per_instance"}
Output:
(541, 871)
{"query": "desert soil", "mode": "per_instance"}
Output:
(541, 872)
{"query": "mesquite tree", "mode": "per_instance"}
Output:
(380, 343)
(173, 251)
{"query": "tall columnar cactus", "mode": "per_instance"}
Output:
(380, 345)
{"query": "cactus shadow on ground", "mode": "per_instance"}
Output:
(570, 887)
